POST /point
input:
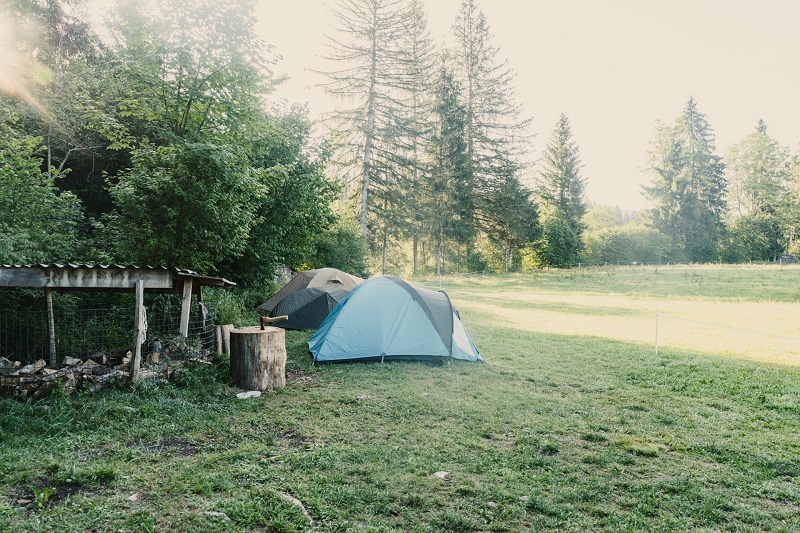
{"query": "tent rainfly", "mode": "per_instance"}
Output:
(309, 297)
(307, 308)
(321, 278)
(387, 318)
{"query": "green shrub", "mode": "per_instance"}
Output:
(631, 243)
(341, 247)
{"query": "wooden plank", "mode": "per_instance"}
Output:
(18, 277)
(110, 278)
(84, 278)
(186, 306)
(140, 331)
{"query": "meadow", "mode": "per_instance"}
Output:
(574, 423)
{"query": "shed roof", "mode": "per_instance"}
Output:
(90, 277)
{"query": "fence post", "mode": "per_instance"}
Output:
(51, 326)
(186, 306)
(656, 331)
(140, 331)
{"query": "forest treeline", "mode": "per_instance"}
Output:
(155, 141)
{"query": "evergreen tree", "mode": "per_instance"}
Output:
(368, 56)
(561, 190)
(420, 65)
(688, 187)
(448, 200)
(493, 128)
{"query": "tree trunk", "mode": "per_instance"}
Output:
(416, 258)
(383, 260)
(258, 358)
(438, 258)
(370, 132)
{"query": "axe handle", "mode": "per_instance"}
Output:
(271, 319)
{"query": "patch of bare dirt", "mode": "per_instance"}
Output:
(169, 445)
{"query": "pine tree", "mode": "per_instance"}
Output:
(396, 200)
(688, 186)
(494, 130)
(420, 66)
(561, 186)
(561, 190)
(368, 56)
(448, 200)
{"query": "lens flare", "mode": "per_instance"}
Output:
(17, 72)
(8, 78)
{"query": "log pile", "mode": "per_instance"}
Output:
(38, 380)
(98, 371)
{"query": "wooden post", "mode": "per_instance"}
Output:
(51, 325)
(258, 358)
(139, 330)
(186, 306)
(656, 331)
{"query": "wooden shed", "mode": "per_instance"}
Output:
(117, 278)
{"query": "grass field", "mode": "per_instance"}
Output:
(573, 423)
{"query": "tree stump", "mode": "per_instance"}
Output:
(258, 358)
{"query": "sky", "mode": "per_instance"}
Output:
(614, 67)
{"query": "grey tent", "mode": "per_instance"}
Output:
(307, 308)
(309, 297)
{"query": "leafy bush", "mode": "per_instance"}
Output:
(631, 243)
(752, 238)
(236, 306)
(341, 247)
(38, 222)
(559, 245)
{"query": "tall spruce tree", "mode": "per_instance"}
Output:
(368, 75)
(419, 62)
(561, 185)
(447, 205)
(688, 187)
(493, 128)
(562, 192)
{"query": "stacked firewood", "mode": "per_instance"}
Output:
(37, 380)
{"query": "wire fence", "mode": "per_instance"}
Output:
(618, 264)
(100, 326)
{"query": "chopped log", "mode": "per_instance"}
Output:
(71, 361)
(222, 338)
(102, 381)
(5, 363)
(27, 370)
(40, 364)
(258, 358)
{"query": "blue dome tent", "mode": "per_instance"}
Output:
(386, 318)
